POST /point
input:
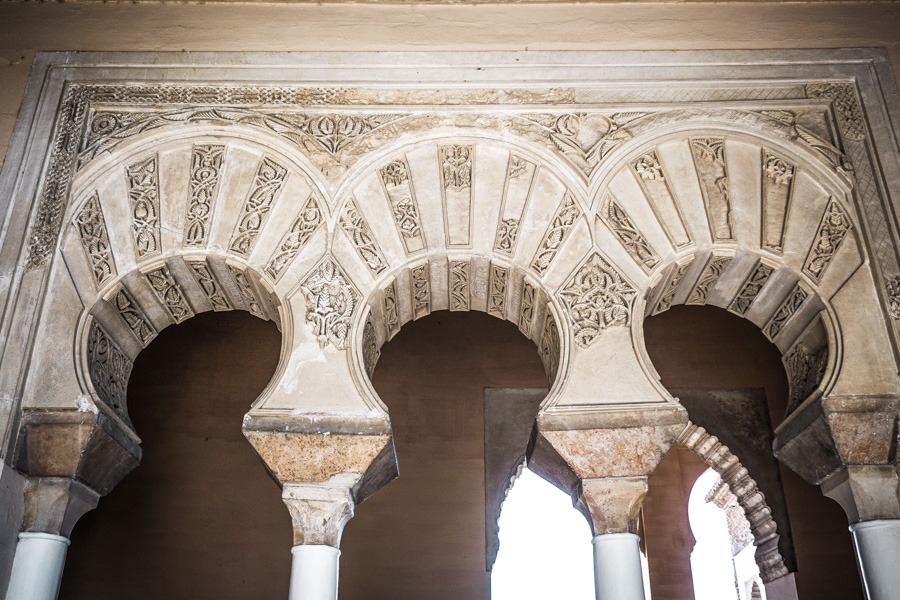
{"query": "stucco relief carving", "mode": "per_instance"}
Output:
(248, 293)
(270, 177)
(497, 294)
(391, 310)
(206, 167)
(109, 369)
(709, 160)
(330, 302)
(520, 174)
(210, 284)
(777, 183)
(456, 167)
(550, 348)
(301, 230)
(371, 352)
(671, 285)
(459, 285)
(143, 194)
(596, 297)
(651, 175)
(562, 223)
(709, 277)
(169, 293)
(628, 234)
(832, 231)
(753, 285)
(805, 369)
(420, 281)
(787, 310)
(95, 239)
(360, 234)
(526, 307)
(404, 208)
(133, 316)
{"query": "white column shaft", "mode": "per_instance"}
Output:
(617, 567)
(877, 545)
(314, 572)
(38, 567)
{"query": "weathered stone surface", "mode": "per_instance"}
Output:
(320, 511)
(54, 504)
(612, 505)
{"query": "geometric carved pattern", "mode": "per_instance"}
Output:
(751, 288)
(269, 178)
(206, 165)
(421, 290)
(133, 317)
(95, 240)
(210, 284)
(777, 179)
(456, 177)
(765, 531)
(330, 301)
(629, 236)
(709, 159)
(562, 222)
(597, 297)
(109, 369)
(459, 285)
(304, 226)
(169, 293)
(832, 231)
(708, 279)
(357, 229)
(143, 192)
(790, 306)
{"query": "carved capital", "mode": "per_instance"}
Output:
(827, 436)
(865, 492)
(611, 505)
(89, 448)
(54, 504)
(319, 512)
(314, 449)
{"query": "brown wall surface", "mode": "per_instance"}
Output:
(30, 26)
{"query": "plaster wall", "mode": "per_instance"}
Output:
(29, 27)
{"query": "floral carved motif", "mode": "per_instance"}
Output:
(651, 176)
(777, 184)
(628, 235)
(421, 290)
(497, 292)
(459, 285)
(330, 302)
(302, 229)
(456, 166)
(751, 289)
(248, 294)
(95, 240)
(360, 234)
(133, 317)
(832, 231)
(143, 193)
(709, 159)
(787, 309)
(708, 279)
(109, 369)
(670, 289)
(206, 167)
(169, 293)
(391, 310)
(270, 177)
(402, 198)
(563, 221)
(526, 308)
(210, 284)
(597, 297)
(507, 232)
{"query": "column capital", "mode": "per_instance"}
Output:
(319, 512)
(611, 505)
(865, 492)
(54, 504)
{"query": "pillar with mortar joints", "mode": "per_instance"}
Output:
(848, 446)
(603, 459)
(70, 459)
(325, 466)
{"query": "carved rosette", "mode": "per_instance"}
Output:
(330, 301)
(597, 297)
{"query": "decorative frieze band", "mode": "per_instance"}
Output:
(143, 195)
(206, 168)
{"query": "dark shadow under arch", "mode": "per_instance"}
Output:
(199, 518)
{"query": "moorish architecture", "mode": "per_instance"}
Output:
(343, 196)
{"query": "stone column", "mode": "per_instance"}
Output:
(319, 513)
(52, 507)
(613, 506)
(70, 459)
(604, 458)
(847, 446)
(325, 466)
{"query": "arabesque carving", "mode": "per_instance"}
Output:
(709, 159)
(459, 285)
(206, 168)
(651, 176)
(805, 370)
(550, 348)
(497, 292)
(210, 284)
(670, 288)
(303, 228)
(360, 234)
(628, 234)
(597, 297)
(713, 270)
(404, 208)
(456, 165)
(330, 302)
(832, 231)
(788, 308)
(270, 177)
(109, 369)
(391, 310)
(421, 290)
(134, 317)
(143, 193)
(751, 288)
(563, 221)
(371, 352)
(777, 185)
(526, 308)
(95, 239)
(169, 293)
(248, 294)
